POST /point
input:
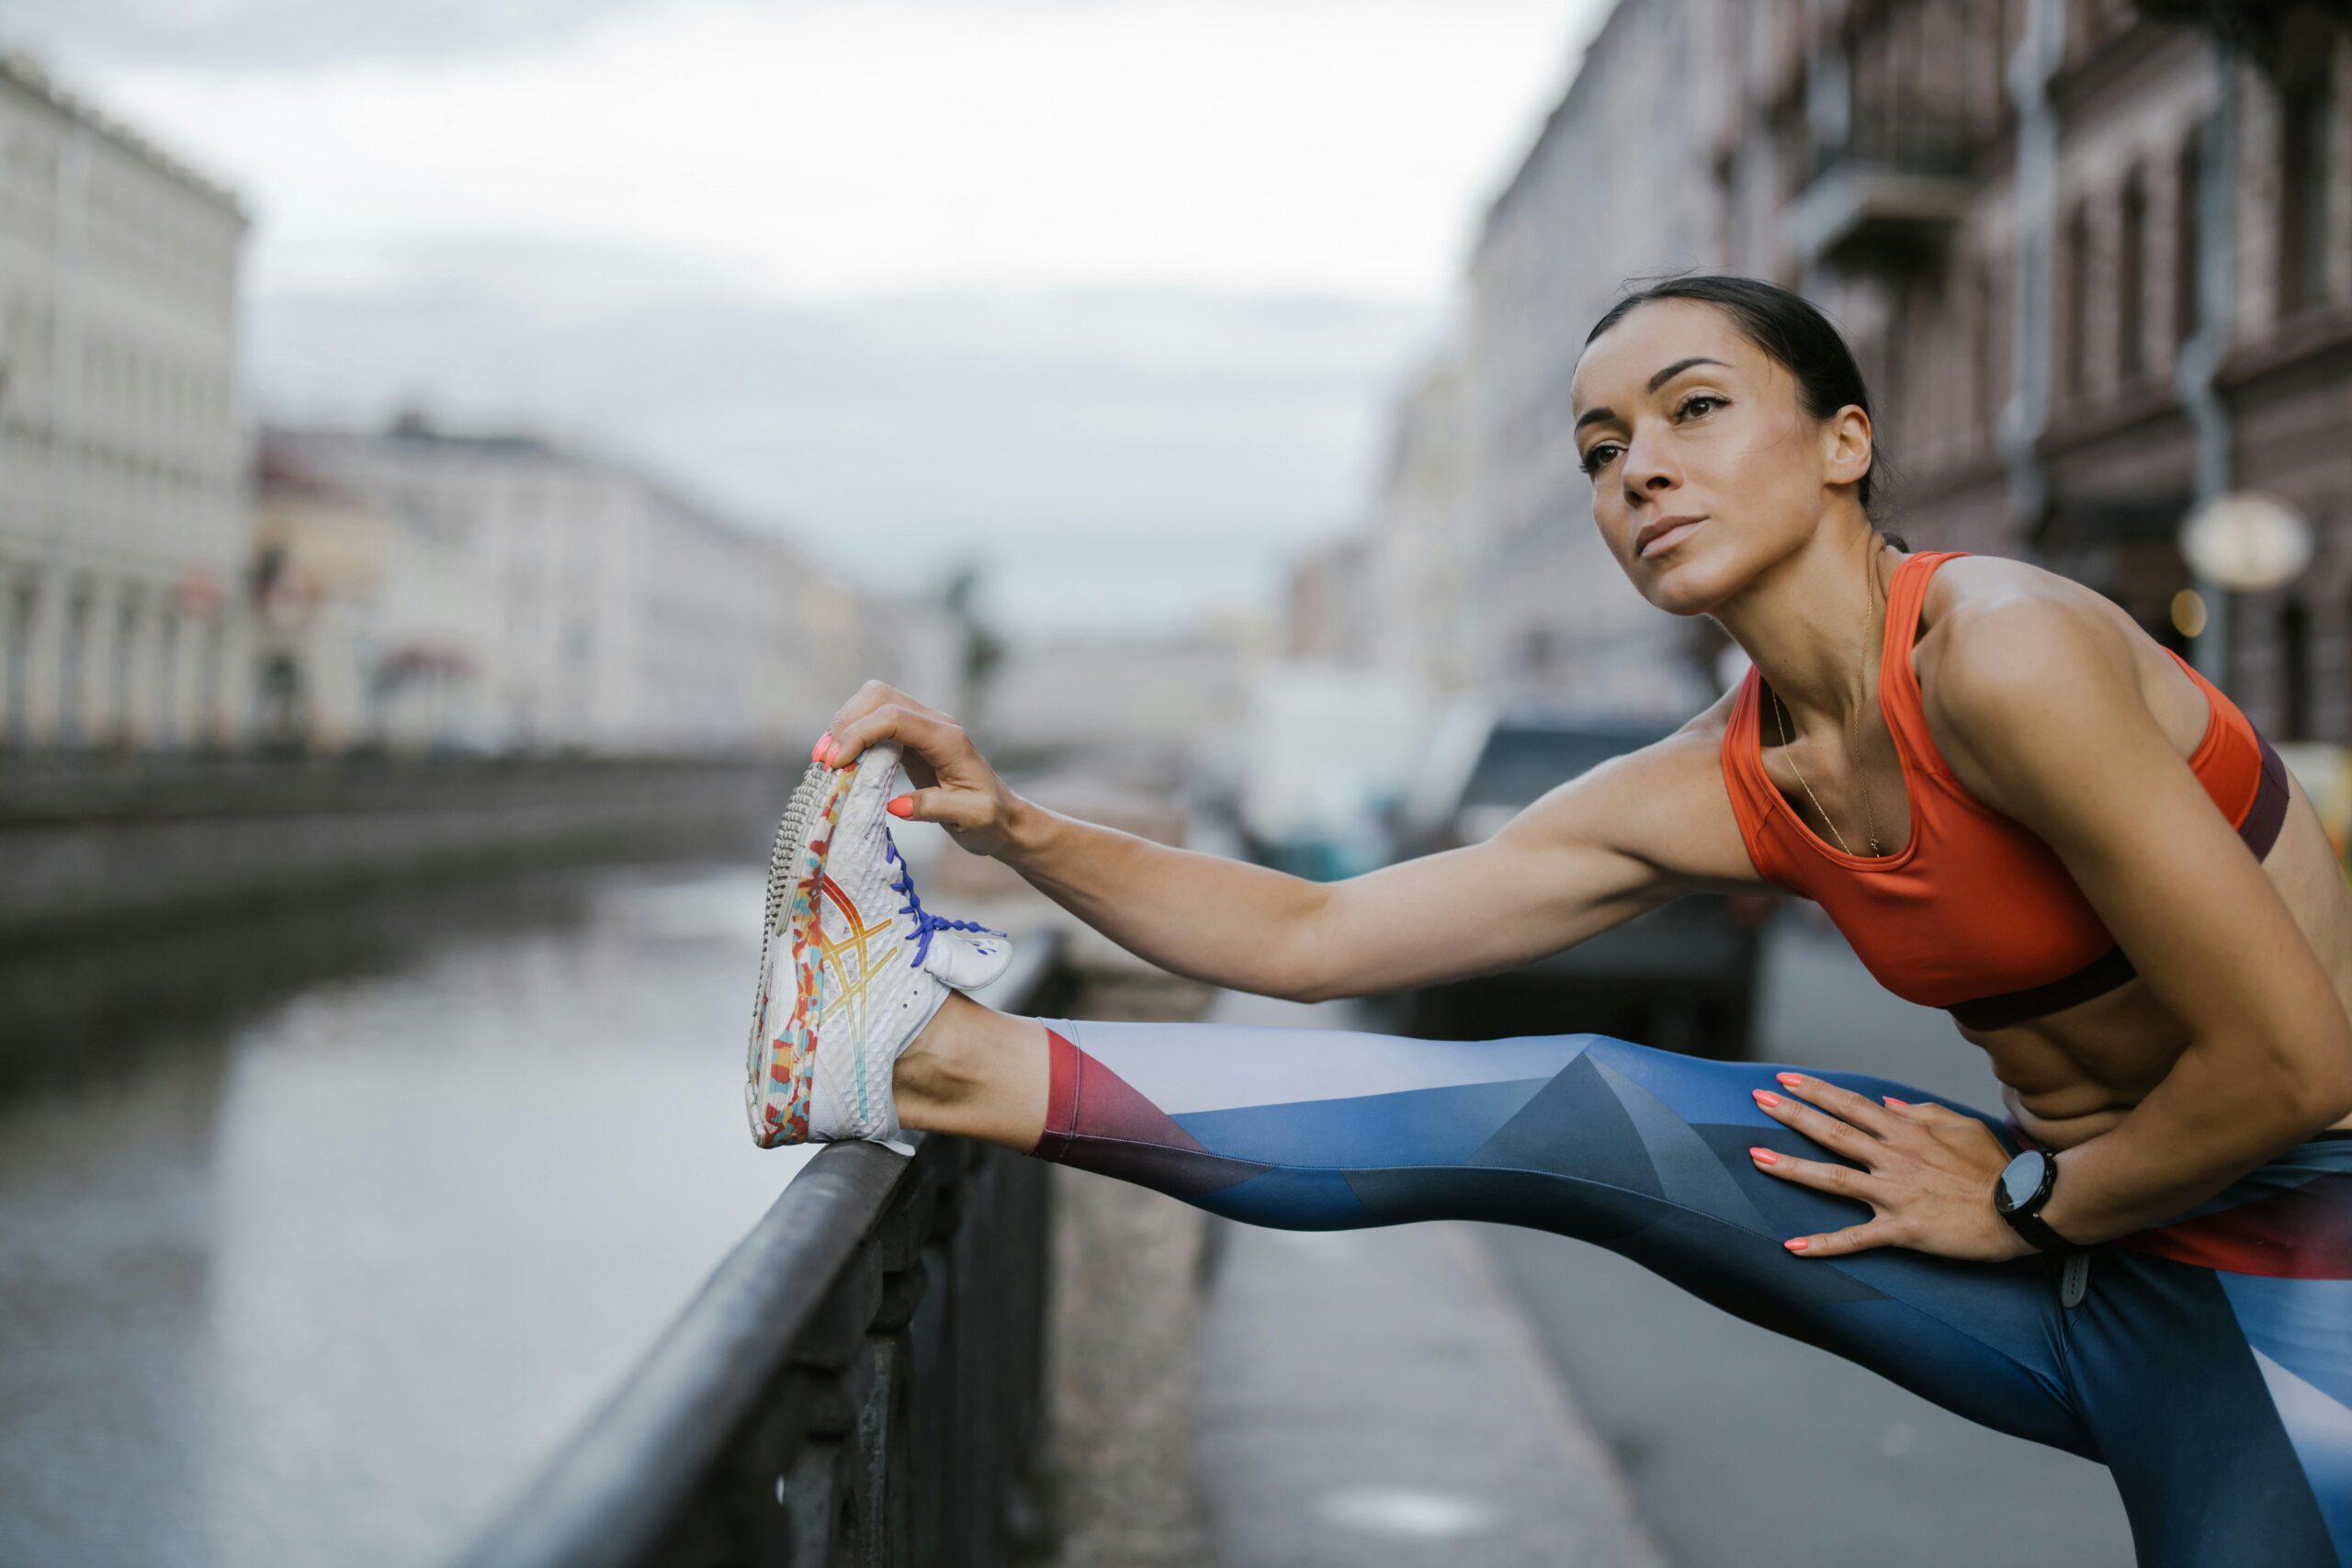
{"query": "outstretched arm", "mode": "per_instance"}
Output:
(1594, 851)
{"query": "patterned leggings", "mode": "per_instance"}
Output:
(2207, 1362)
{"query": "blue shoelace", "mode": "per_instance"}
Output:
(925, 921)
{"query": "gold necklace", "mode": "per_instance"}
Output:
(1780, 715)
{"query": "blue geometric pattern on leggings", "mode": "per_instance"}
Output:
(2222, 1400)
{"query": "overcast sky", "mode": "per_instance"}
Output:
(1112, 291)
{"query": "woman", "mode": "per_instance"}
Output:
(2013, 802)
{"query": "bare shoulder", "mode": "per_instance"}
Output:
(2002, 639)
(1664, 804)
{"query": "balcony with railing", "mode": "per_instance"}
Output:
(1884, 180)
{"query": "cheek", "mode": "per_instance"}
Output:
(1609, 521)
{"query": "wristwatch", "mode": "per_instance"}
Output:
(2018, 1194)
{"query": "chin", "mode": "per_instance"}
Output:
(1686, 585)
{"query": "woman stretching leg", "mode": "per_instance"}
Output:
(2205, 1362)
(2075, 844)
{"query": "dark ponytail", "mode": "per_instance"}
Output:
(1786, 325)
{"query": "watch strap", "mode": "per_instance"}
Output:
(2036, 1230)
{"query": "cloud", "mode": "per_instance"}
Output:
(826, 147)
(295, 34)
(1116, 454)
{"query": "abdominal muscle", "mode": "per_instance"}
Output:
(2070, 1076)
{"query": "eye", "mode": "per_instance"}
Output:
(1689, 408)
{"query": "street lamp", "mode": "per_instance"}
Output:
(2242, 541)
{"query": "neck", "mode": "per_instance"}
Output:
(1815, 620)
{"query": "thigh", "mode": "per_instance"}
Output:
(2213, 1360)
(1636, 1149)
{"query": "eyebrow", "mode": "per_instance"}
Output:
(1661, 378)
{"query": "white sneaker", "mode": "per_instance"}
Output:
(868, 966)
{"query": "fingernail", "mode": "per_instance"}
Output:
(1765, 1156)
(824, 744)
(1891, 1101)
(1791, 1079)
(1799, 1245)
(817, 751)
(902, 806)
(1766, 1098)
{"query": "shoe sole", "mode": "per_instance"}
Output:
(787, 1061)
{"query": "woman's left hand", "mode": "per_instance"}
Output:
(1927, 1172)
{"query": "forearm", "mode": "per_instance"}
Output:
(2209, 1121)
(1206, 917)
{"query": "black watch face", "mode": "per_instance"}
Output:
(2021, 1179)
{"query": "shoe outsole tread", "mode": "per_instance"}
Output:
(785, 1059)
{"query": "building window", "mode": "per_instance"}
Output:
(18, 693)
(1981, 345)
(126, 649)
(2131, 273)
(2189, 252)
(1536, 644)
(2295, 667)
(167, 652)
(209, 692)
(2075, 258)
(69, 667)
(2303, 194)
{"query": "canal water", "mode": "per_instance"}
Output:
(316, 1262)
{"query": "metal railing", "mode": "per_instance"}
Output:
(859, 1383)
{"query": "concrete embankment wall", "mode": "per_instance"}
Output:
(89, 848)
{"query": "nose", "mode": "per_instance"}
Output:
(1645, 468)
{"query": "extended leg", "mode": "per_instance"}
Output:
(1642, 1151)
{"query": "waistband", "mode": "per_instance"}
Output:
(2290, 1217)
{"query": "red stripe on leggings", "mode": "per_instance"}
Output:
(1061, 1097)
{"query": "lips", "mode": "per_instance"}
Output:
(1663, 534)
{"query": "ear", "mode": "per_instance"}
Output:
(1847, 444)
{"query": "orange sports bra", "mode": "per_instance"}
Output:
(1974, 914)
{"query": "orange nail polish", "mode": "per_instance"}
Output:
(902, 806)
(1766, 1098)
(816, 749)
(1765, 1156)
(1791, 1079)
(1797, 1245)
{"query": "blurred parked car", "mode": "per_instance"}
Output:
(1682, 976)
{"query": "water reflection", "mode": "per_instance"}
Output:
(325, 1280)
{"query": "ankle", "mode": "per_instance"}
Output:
(944, 1064)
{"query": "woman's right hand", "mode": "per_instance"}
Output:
(955, 786)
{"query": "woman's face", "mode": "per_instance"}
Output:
(1678, 415)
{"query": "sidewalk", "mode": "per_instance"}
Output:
(1373, 1399)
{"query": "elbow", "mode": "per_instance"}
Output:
(1316, 991)
(2326, 1098)
(1310, 975)
(2320, 1093)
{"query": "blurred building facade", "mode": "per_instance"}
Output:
(1417, 567)
(1616, 186)
(424, 589)
(1391, 596)
(124, 510)
(2095, 257)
